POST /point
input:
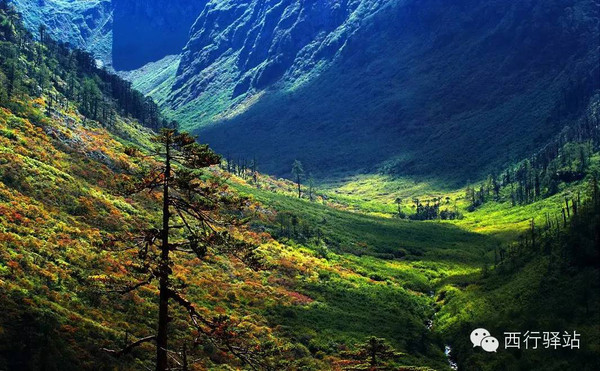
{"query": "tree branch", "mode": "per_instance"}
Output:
(194, 315)
(130, 347)
(242, 354)
(130, 288)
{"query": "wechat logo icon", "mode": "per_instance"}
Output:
(481, 337)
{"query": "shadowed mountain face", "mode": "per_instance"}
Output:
(146, 31)
(411, 87)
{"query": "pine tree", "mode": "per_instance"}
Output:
(374, 352)
(298, 172)
(195, 219)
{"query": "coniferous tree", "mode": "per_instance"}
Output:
(298, 173)
(196, 218)
(311, 186)
(374, 352)
(398, 202)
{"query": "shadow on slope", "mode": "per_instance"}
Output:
(455, 91)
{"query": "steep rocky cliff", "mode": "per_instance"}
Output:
(269, 40)
(84, 24)
(124, 34)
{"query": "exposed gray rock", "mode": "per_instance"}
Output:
(83, 24)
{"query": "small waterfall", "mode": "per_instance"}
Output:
(447, 351)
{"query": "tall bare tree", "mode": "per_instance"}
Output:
(196, 216)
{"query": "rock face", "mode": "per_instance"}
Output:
(124, 34)
(84, 24)
(147, 30)
(269, 39)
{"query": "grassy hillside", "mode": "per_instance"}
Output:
(493, 279)
(346, 264)
(59, 201)
(520, 279)
(358, 233)
(362, 275)
(155, 78)
(61, 183)
(547, 285)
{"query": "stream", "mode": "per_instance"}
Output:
(447, 351)
(447, 348)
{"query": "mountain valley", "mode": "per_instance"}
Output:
(389, 176)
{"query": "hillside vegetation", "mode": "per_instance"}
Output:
(405, 267)
(61, 195)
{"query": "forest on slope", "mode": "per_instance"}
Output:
(419, 269)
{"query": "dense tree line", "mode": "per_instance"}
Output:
(242, 167)
(432, 210)
(565, 159)
(291, 226)
(61, 73)
(569, 236)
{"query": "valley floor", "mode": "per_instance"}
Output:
(453, 265)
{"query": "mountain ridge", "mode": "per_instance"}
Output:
(417, 89)
(412, 81)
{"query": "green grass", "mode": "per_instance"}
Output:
(452, 259)
(387, 297)
(366, 234)
(376, 193)
(155, 78)
(539, 296)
